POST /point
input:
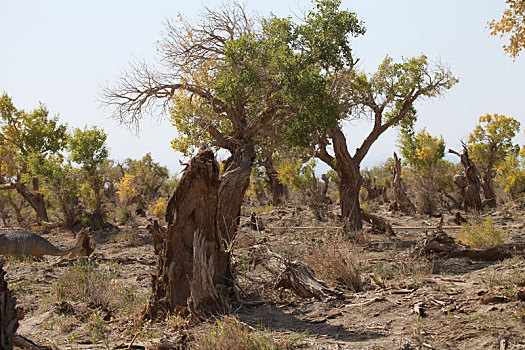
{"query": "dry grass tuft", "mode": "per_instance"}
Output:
(335, 259)
(230, 333)
(92, 284)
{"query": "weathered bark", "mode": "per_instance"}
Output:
(18, 211)
(326, 181)
(194, 267)
(233, 185)
(487, 184)
(401, 198)
(348, 169)
(469, 184)
(84, 240)
(8, 314)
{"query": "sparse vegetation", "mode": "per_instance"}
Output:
(482, 236)
(96, 285)
(276, 95)
(230, 333)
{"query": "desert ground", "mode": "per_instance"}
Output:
(406, 299)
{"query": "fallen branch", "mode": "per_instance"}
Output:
(292, 275)
(445, 245)
(377, 222)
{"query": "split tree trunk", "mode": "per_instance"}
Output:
(400, 197)
(194, 267)
(233, 185)
(8, 314)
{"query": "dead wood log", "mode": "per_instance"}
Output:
(443, 244)
(194, 266)
(24, 343)
(8, 314)
(400, 197)
(292, 275)
(378, 223)
(158, 233)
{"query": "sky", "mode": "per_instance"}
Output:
(62, 52)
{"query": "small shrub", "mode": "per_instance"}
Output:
(158, 210)
(230, 333)
(263, 209)
(483, 236)
(89, 283)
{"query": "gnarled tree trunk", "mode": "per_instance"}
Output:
(279, 192)
(194, 266)
(35, 199)
(470, 183)
(488, 190)
(8, 314)
(401, 198)
(350, 183)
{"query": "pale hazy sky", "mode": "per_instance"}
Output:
(62, 52)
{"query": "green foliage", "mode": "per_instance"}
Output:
(421, 151)
(296, 174)
(444, 174)
(304, 56)
(24, 135)
(393, 83)
(511, 175)
(491, 141)
(482, 236)
(60, 184)
(148, 176)
(380, 174)
(88, 148)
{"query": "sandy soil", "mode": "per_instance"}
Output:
(466, 304)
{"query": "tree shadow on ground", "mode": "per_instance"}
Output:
(275, 319)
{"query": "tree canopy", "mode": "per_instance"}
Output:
(511, 24)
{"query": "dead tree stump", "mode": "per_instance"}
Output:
(8, 314)
(194, 267)
(470, 183)
(400, 197)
